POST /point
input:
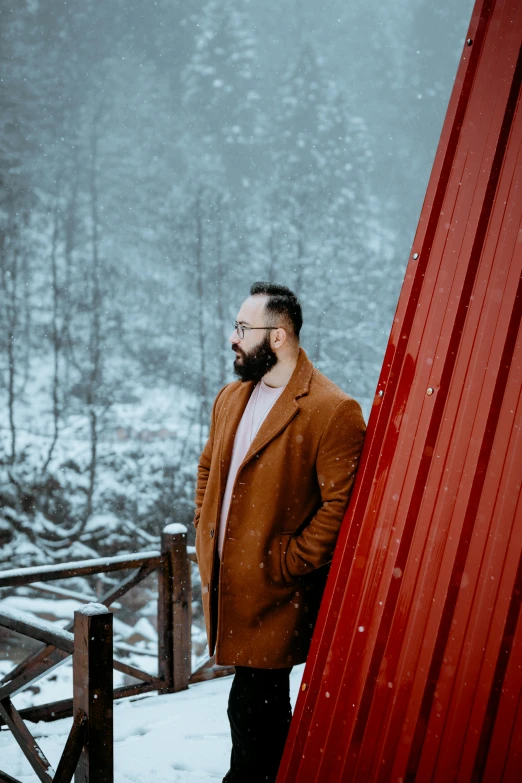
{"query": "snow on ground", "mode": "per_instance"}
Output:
(176, 738)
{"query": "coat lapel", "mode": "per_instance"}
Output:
(232, 416)
(285, 407)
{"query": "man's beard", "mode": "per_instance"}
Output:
(255, 364)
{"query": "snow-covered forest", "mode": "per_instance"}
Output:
(155, 159)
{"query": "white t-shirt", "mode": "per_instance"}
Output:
(261, 401)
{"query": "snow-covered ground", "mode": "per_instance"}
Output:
(177, 738)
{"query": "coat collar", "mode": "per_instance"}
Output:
(284, 410)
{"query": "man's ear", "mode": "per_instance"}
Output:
(280, 337)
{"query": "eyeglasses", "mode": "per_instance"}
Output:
(241, 328)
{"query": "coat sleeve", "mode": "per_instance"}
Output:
(205, 461)
(336, 464)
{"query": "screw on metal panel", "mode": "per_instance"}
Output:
(304, 686)
(430, 390)
(469, 41)
(415, 256)
(381, 392)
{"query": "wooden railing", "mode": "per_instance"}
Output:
(88, 751)
(91, 646)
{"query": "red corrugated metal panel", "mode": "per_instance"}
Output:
(415, 671)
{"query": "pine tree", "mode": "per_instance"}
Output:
(221, 90)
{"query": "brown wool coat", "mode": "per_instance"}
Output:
(287, 505)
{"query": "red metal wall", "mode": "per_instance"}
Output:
(415, 671)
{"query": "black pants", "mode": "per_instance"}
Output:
(259, 712)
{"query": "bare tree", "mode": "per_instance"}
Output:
(198, 252)
(220, 271)
(56, 331)
(9, 269)
(25, 280)
(70, 230)
(96, 303)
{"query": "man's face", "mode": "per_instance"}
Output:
(254, 354)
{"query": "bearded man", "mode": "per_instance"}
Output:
(273, 483)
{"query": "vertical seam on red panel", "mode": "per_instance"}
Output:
(498, 678)
(504, 655)
(512, 738)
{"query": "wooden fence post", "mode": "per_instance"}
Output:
(174, 610)
(92, 689)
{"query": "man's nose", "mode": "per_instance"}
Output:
(234, 338)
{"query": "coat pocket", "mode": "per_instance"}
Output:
(284, 543)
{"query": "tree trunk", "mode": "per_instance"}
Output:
(220, 272)
(94, 378)
(201, 314)
(9, 272)
(69, 240)
(56, 335)
(11, 390)
(26, 293)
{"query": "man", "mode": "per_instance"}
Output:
(273, 482)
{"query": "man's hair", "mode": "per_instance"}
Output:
(281, 302)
